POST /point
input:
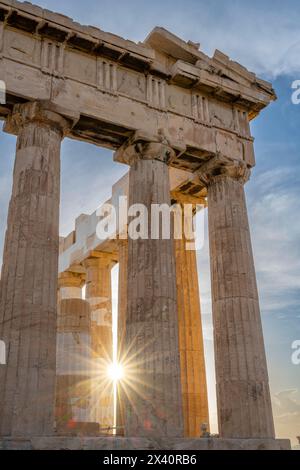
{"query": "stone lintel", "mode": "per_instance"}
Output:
(105, 255)
(63, 29)
(140, 56)
(203, 102)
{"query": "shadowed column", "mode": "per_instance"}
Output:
(98, 294)
(29, 274)
(243, 395)
(122, 308)
(193, 374)
(152, 380)
(73, 365)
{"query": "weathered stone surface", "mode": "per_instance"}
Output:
(153, 406)
(77, 246)
(192, 361)
(173, 107)
(73, 365)
(29, 275)
(124, 87)
(98, 294)
(70, 285)
(244, 404)
(121, 348)
(138, 443)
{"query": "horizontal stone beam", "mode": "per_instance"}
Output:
(118, 87)
(83, 242)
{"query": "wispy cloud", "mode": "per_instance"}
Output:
(286, 409)
(87, 179)
(274, 207)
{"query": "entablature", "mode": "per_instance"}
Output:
(118, 87)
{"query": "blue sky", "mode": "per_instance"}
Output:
(265, 37)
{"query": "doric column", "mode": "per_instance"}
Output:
(152, 375)
(73, 366)
(29, 273)
(98, 294)
(122, 308)
(243, 395)
(193, 374)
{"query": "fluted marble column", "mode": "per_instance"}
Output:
(122, 308)
(98, 294)
(193, 374)
(73, 367)
(243, 395)
(153, 404)
(29, 274)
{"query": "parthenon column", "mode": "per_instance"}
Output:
(122, 308)
(153, 399)
(193, 374)
(73, 368)
(243, 395)
(29, 273)
(98, 294)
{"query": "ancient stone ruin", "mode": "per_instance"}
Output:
(180, 121)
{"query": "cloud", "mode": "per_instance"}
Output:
(274, 206)
(286, 403)
(286, 409)
(87, 179)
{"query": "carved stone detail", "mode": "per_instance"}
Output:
(107, 79)
(156, 92)
(200, 107)
(223, 167)
(52, 57)
(147, 147)
(44, 114)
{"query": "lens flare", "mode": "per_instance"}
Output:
(115, 372)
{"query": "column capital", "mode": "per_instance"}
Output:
(44, 113)
(71, 279)
(143, 146)
(99, 259)
(220, 167)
